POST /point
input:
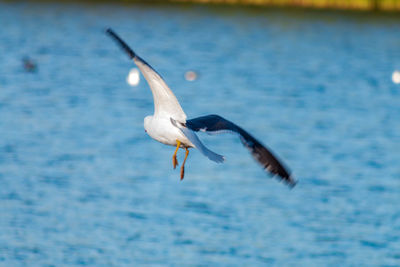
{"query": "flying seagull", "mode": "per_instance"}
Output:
(169, 125)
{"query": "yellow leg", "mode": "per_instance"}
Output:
(174, 160)
(183, 164)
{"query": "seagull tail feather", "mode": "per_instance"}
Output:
(199, 145)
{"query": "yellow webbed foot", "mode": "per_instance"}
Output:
(174, 160)
(182, 172)
(183, 164)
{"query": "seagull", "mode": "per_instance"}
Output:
(169, 124)
(29, 64)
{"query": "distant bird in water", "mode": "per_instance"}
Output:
(29, 64)
(190, 76)
(169, 126)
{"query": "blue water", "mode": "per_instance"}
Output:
(82, 184)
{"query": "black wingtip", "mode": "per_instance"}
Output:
(285, 179)
(124, 46)
(291, 182)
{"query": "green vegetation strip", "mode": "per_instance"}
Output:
(378, 5)
(367, 5)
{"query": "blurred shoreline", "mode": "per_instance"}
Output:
(367, 5)
(360, 5)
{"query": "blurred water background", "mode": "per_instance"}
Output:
(82, 184)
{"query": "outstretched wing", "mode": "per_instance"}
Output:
(215, 124)
(165, 102)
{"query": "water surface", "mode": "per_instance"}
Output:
(82, 184)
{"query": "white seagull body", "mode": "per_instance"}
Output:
(169, 126)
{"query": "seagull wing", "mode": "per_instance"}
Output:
(217, 124)
(165, 102)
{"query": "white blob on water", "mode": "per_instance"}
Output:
(396, 76)
(133, 78)
(190, 75)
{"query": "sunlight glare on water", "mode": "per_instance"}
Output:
(133, 77)
(396, 76)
